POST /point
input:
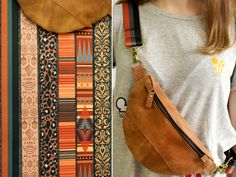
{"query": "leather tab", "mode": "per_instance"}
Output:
(209, 164)
(147, 81)
(148, 84)
(139, 72)
(150, 99)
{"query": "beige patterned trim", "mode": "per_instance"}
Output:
(29, 97)
(102, 98)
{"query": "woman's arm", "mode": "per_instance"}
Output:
(232, 114)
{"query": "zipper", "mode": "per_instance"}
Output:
(183, 135)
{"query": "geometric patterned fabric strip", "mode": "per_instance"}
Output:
(102, 98)
(84, 102)
(29, 97)
(48, 100)
(67, 105)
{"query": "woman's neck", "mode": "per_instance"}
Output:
(180, 7)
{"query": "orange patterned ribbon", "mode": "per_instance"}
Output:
(67, 105)
(84, 96)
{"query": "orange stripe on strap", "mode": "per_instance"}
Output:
(4, 66)
(127, 24)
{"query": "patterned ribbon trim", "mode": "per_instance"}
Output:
(66, 101)
(29, 97)
(67, 105)
(48, 103)
(84, 102)
(102, 97)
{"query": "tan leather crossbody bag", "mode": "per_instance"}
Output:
(155, 132)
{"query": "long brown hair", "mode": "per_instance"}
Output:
(219, 15)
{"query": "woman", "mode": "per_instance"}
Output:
(189, 49)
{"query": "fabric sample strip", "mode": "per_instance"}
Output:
(48, 100)
(4, 86)
(1, 91)
(14, 61)
(84, 96)
(29, 97)
(67, 105)
(102, 97)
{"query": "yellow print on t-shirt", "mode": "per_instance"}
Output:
(217, 65)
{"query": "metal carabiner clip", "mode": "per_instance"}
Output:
(134, 51)
(223, 167)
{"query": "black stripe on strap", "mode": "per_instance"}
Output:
(135, 31)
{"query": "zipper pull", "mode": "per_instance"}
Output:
(149, 100)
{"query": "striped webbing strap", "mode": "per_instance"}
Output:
(131, 24)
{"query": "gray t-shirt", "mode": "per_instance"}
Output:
(198, 84)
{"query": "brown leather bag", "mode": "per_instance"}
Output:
(155, 132)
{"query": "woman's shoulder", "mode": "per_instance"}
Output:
(117, 9)
(117, 15)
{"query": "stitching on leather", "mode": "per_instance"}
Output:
(68, 12)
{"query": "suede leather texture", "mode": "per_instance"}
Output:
(63, 16)
(153, 140)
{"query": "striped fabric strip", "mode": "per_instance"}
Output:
(15, 82)
(67, 105)
(1, 92)
(4, 86)
(102, 97)
(48, 100)
(131, 24)
(84, 102)
(29, 97)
